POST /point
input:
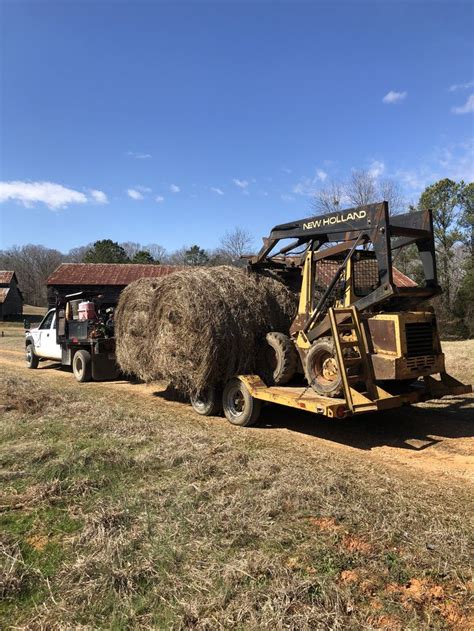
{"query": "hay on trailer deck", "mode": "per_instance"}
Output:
(205, 325)
(132, 327)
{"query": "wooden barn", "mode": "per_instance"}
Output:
(108, 279)
(11, 298)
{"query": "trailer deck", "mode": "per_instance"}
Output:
(305, 398)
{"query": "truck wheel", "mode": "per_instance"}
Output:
(278, 359)
(81, 366)
(240, 408)
(32, 360)
(208, 402)
(322, 369)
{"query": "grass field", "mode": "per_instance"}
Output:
(125, 511)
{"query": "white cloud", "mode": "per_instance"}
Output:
(55, 196)
(286, 170)
(174, 188)
(134, 194)
(99, 196)
(287, 198)
(217, 191)
(308, 185)
(461, 86)
(138, 155)
(376, 168)
(455, 161)
(143, 189)
(159, 199)
(466, 108)
(394, 97)
(243, 184)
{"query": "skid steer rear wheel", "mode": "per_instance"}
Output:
(322, 369)
(208, 402)
(277, 359)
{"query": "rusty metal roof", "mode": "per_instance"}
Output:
(107, 273)
(401, 280)
(3, 294)
(6, 277)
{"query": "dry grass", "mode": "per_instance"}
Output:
(460, 359)
(199, 327)
(115, 516)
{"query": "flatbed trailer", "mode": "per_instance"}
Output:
(242, 397)
(305, 398)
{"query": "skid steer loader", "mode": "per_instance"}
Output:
(365, 337)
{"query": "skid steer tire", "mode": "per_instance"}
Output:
(208, 403)
(278, 359)
(322, 370)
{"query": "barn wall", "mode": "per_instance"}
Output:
(13, 303)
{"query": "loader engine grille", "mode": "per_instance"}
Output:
(419, 339)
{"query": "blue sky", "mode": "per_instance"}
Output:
(174, 122)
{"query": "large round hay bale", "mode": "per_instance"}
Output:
(207, 325)
(134, 348)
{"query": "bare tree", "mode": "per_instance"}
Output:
(361, 188)
(391, 192)
(235, 243)
(330, 199)
(76, 255)
(131, 248)
(32, 264)
(157, 251)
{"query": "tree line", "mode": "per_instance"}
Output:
(453, 214)
(33, 264)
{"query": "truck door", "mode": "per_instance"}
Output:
(45, 339)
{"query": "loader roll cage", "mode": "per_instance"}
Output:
(340, 233)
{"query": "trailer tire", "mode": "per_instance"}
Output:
(208, 403)
(322, 370)
(240, 407)
(82, 366)
(278, 359)
(32, 360)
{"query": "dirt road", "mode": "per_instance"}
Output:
(435, 438)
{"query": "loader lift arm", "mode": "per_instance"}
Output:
(370, 224)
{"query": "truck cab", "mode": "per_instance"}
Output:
(41, 342)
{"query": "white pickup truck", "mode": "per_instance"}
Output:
(88, 345)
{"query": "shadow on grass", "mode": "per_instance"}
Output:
(408, 427)
(414, 428)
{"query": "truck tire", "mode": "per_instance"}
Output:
(322, 369)
(278, 359)
(32, 360)
(240, 408)
(208, 403)
(82, 366)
